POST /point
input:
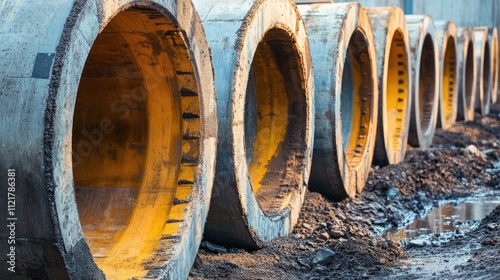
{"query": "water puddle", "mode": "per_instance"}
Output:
(450, 217)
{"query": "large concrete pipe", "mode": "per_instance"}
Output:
(394, 84)
(446, 35)
(425, 80)
(493, 39)
(264, 88)
(484, 73)
(467, 70)
(345, 74)
(110, 112)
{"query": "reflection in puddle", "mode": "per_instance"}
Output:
(449, 217)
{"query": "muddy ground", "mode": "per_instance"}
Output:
(342, 240)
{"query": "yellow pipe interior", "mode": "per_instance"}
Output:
(129, 142)
(448, 79)
(272, 112)
(356, 98)
(426, 89)
(495, 68)
(275, 111)
(396, 95)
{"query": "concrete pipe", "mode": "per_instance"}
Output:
(394, 84)
(493, 39)
(265, 112)
(484, 70)
(110, 112)
(345, 75)
(425, 80)
(446, 35)
(467, 70)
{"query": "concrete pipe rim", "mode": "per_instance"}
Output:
(493, 38)
(467, 79)
(158, 166)
(357, 153)
(487, 78)
(393, 60)
(448, 65)
(483, 61)
(355, 120)
(341, 166)
(277, 198)
(265, 162)
(425, 81)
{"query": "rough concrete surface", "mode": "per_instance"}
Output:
(238, 33)
(467, 73)
(425, 80)
(446, 34)
(344, 138)
(484, 73)
(394, 65)
(44, 48)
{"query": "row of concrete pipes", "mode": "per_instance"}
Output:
(133, 128)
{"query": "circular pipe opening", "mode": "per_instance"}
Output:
(448, 80)
(135, 141)
(426, 87)
(396, 95)
(356, 98)
(469, 79)
(275, 120)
